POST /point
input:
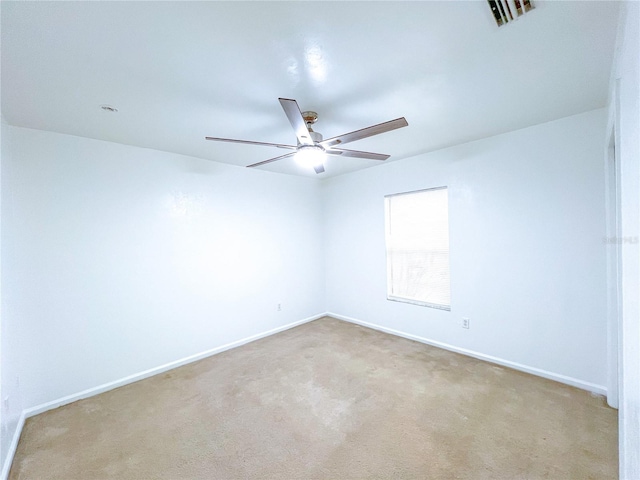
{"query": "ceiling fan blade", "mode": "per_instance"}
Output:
(271, 160)
(356, 154)
(231, 140)
(365, 132)
(318, 168)
(294, 115)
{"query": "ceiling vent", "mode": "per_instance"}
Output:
(504, 10)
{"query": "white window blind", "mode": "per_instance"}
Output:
(417, 238)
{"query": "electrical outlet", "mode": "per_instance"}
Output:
(465, 322)
(5, 402)
(279, 307)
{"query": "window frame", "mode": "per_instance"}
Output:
(387, 219)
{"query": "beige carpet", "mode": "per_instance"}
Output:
(327, 400)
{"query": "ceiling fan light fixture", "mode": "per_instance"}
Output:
(310, 155)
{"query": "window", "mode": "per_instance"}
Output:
(417, 238)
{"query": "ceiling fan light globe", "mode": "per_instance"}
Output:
(310, 156)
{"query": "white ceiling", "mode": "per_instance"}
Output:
(180, 71)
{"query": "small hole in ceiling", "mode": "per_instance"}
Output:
(109, 108)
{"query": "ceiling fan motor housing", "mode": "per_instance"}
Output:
(315, 136)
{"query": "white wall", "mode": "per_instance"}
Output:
(625, 107)
(119, 259)
(528, 265)
(11, 404)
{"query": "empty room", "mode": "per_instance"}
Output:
(328, 240)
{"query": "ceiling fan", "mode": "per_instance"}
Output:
(311, 149)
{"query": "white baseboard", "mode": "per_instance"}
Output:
(90, 392)
(6, 468)
(574, 382)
